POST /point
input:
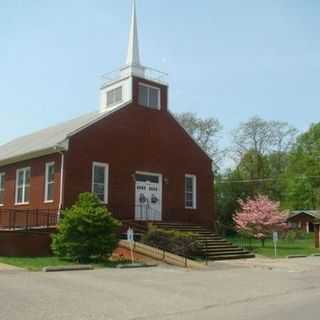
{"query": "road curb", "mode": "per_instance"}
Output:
(68, 268)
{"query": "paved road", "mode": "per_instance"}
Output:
(225, 291)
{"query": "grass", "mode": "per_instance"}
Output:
(286, 248)
(38, 263)
(35, 263)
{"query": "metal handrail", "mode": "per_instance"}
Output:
(149, 73)
(18, 219)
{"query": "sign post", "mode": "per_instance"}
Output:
(275, 238)
(317, 235)
(130, 238)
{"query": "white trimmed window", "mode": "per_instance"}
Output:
(2, 188)
(190, 191)
(23, 185)
(49, 182)
(149, 96)
(100, 180)
(114, 96)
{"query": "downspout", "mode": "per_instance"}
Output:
(61, 185)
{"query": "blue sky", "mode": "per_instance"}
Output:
(226, 59)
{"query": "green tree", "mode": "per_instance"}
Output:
(86, 230)
(257, 142)
(303, 172)
(229, 189)
(205, 131)
(300, 194)
(260, 150)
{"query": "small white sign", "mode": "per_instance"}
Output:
(130, 235)
(130, 238)
(275, 236)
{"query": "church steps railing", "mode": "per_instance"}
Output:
(26, 219)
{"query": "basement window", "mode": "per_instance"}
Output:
(23, 177)
(190, 191)
(2, 179)
(49, 183)
(114, 97)
(100, 181)
(149, 96)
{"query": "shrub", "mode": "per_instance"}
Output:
(297, 234)
(86, 230)
(177, 242)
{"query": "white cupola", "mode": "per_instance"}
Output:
(117, 88)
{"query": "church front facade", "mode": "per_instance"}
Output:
(132, 154)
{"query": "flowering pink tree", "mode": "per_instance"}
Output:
(260, 217)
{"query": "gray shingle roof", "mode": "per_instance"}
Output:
(47, 139)
(314, 213)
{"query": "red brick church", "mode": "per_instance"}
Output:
(132, 153)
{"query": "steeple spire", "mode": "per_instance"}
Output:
(133, 57)
(119, 86)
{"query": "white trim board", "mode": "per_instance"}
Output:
(106, 167)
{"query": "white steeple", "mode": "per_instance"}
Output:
(133, 66)
(118, 87)
(133, 57)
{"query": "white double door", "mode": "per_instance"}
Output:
(148, 197)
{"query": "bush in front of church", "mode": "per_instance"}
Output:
(86, 231)
(184, 244)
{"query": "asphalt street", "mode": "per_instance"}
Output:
(235, 290)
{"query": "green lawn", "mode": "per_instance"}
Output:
(37, 263)
(285, 247)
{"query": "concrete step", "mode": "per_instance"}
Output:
(199, 231)
(207, 240)
(184, 228)
(219, 248)
(227, 253)
(215, 242)
(235, 249)
(177, 225)
(213, 245)
(232, 257)
(207, 234)
(222, 249)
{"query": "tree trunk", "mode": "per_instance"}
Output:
(262, 242)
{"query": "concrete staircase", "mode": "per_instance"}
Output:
(212, 245)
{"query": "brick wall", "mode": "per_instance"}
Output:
(37, 183)
(134, 139)
(25, 244)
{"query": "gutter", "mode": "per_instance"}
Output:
(61, 185)
(30, 156)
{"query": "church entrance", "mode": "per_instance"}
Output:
(148, 197)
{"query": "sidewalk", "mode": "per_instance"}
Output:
(290, 265)
(6, 267)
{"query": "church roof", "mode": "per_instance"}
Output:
(49, 140)
(313, 213)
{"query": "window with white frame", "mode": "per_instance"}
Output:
(190, 191)
(2, 188)
(149, 96)
(23, 186)
(100, 177)
(114, 96)
(49, 182)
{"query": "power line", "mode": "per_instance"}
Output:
(226, 181)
